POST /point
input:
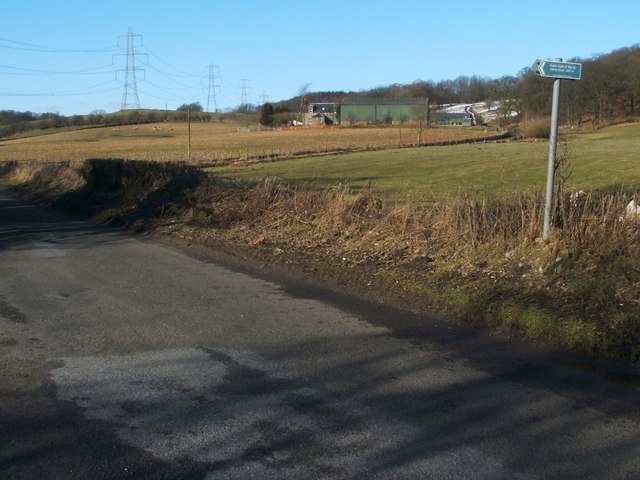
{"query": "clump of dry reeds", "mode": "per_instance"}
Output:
(464, 226)
(47, 179)
(536, 128)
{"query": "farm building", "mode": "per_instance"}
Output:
(384, 110)
(319, 114)
(381, 110)
(396, 110)
(452, 118)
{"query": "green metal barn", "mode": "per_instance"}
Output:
(381, 110)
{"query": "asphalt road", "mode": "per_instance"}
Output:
(123, 357)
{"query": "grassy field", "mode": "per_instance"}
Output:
(211, 142)
(597, 160)
(601, 160)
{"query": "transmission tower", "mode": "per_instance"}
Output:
(130, 99)
(211, 95)
(244, 89)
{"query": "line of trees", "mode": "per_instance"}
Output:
(12, 122)
(609, 90)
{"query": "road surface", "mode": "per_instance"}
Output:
(122, 357)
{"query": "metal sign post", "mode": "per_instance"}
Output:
(557, 70)
(553, 146)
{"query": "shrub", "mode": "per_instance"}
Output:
(537, 128)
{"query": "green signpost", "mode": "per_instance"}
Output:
(565, 70)
(558, 70)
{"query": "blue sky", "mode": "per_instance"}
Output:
(267, 50)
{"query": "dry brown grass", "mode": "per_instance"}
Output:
(50, 180)
(537, 128)
(210, 142)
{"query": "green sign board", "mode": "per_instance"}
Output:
(565, 70)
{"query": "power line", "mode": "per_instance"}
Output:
(170, 77)
(130, 70)
(44, 48)
(31, 71)
(169, 92)
(68, 93)
(182, 73)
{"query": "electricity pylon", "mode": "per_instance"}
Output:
(130, 99)
(211, 95)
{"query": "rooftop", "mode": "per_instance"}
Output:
(385, 101)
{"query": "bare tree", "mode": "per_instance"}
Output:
(302, 93)
(422, 118)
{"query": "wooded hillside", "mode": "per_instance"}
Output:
(609, 90)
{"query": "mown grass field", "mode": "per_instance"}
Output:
(211, 142)
(597, 160)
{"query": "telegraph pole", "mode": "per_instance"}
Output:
(189, 135)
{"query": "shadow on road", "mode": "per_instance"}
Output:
(25, 224)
